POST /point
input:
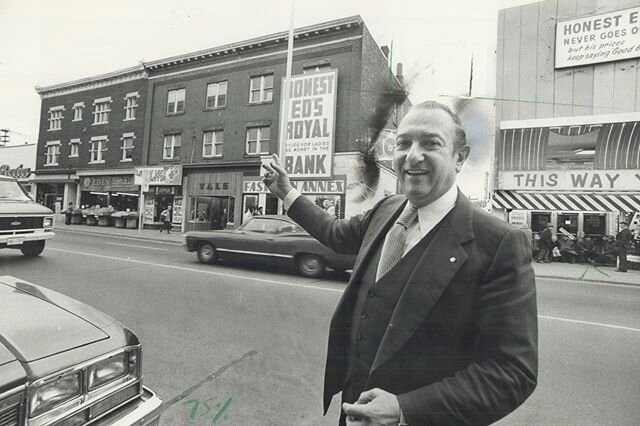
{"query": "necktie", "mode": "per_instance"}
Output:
(396, 239)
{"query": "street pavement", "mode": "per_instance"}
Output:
(559, 270)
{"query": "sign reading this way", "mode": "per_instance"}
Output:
(574, 180)
(309, 134)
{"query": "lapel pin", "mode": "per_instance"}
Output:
(452, 259)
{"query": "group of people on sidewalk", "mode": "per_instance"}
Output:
(604, 251)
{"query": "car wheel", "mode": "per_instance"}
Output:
(207, 253)
(32, 249)
(311, 266)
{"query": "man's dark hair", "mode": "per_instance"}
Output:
(461, 136)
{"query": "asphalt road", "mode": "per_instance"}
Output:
(231, 345)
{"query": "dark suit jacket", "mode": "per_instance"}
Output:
(623, 239)
(463, 345)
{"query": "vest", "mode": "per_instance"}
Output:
(373, 309)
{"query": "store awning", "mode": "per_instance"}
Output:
(518, 200)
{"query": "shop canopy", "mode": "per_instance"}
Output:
(605, 202)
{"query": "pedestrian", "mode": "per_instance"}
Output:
(438, 324)
(166, 217)
(248, 215)
(546, 244)
(623, 244)
(67, 214)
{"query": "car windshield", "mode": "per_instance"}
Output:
(269, 226)
(11, 190)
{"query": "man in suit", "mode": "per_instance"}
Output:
(438, 324)
(623, 244)
(546, 244)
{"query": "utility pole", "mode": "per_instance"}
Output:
(5, 138)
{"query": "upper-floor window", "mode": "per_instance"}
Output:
(258, 140)
(77, 111)
(175, 101)
(212, 143)
(171, 149)
(127, 146)
(101, 109)
(74, 148)
(130, 106)
(217, 94)
(96, 149)
(261, 88)
(55, 117)
(52, 153)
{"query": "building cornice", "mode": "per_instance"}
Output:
(89, 83)
(576, 120)
(277, 39)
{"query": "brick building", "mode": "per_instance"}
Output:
(90, 139)
(568, 116)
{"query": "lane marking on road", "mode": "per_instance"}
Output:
(182, 268)
(599, 324)
(131, 245)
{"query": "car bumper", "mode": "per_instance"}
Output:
(142, 411)
(16, 241)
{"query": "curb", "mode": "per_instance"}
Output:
(588, 280)
(131, 237)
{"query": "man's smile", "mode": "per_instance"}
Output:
(416, 172)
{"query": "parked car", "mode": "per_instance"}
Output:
(65, 363)
(24, 224)
(271, 239)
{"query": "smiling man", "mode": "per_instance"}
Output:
(438, 324)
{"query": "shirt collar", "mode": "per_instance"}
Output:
(431, 214)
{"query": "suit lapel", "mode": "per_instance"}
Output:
(431, 275)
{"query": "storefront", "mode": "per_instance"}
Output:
(162, 187)
(117, 191)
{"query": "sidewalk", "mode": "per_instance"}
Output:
(568, 271)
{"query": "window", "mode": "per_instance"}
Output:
(172, 147)
(55, 117)
(127, 146)
(212, 143)
(258, 140)
(98, 146)
(175, 101)
(77, 111)
(52, 153)
(74, 148)
(101, 109)
(217, 94)
(131, 104)
(261, 88)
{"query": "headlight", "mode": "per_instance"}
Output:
(56, 392)
(108, 370)
(47, 222)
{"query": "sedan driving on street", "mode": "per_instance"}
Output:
(65, 363)
(268, 239)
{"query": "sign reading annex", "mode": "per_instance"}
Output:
(606, 37)
(309, 135)
(571, 180)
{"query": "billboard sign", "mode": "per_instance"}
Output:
(310, 129)
(600, 38)
(158, 175)
(571, 180)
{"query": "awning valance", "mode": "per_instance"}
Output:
(517, 200)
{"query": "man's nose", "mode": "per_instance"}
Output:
(416, 153)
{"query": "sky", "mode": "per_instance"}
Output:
(44, 42)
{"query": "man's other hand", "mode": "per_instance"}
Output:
(276, 178)
(374, 407)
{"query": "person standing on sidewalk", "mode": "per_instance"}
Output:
(546, 244)
(623, 243)
(166, 217)
(67, 214)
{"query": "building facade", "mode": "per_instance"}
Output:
(568, 116)
(217, 113)
(19, 161)
(90, 140)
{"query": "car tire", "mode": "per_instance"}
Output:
(207, 253)
(311, 265)
(32, 249)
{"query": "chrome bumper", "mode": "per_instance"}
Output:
(145, 410)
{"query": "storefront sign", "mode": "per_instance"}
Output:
(518, 217)
(385, 144)
(108, 183)
(310, 126)
(177, 210)
(599, 38)
(304, 186)
(158, 175)
(149, 209)
(574, 180)
(18, 172)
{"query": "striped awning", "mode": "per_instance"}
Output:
(517, 200)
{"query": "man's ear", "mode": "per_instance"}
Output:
(462, 155)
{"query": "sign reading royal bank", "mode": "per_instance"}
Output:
(571, 180)
(600, 38)
(310, 128)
